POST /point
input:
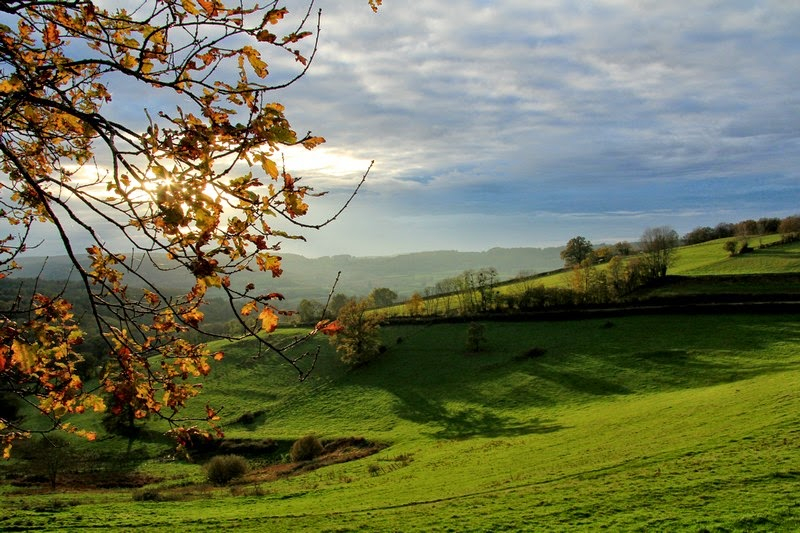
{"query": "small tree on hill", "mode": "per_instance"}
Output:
(415, 305)
(383, 297)
(658, 250)
(476, 337)
(357, 333)
(578, 249)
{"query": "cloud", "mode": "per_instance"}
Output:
(525, 123)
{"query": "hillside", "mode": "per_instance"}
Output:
(670, 422)
(644, 423)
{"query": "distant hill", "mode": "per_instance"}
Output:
(312, 278)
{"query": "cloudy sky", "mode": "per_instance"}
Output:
(525, 123)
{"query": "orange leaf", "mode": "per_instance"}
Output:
(210, 7)
(327, 327)
(269, 320)
(312, 142)
(249, 307)
(51, 34)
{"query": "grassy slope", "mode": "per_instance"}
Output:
(699, 260)
(654, 423)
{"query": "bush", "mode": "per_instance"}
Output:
(146, 495)
(476, 337)
(221, 469)
(305, 448)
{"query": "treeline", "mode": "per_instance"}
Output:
(477, 292)
(789, 227)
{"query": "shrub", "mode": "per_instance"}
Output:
(305, 448)
(221, 469)
(146, 495)
(476, 338)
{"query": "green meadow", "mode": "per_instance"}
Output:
(637, 423)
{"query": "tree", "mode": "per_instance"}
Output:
(357, 333)
(310, 311)
(658, 249)
(338, 301)
(415, 305)
(790, 226)
(383, 297)
(48, 456)
(196, 187)
(578, 249)
(476, 337)
(486, 283)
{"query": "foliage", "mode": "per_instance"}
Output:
(222, 469)
(415, 305)
(357, 333)
(200, 183)
(476, 337)
(658, 250)
(762, 226)
(310, 311)
(305, 448)
(577, 250)
(790, 226)
(382, 297)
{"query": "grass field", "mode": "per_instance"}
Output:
(648, 423)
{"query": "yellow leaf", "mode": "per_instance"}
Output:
(269, 320)
(254, 57)
(190, 8)
(22, 356)
(270, 167)
(11, 85)
(312, 142)
(128, 61)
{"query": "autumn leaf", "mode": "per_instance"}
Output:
(269, 320)
(270, 167)
(51, 36)
(22, 356)
(312, 142)
(328, 327)
(249, 308)
(210, 7)
(189, 6)
(275, 15)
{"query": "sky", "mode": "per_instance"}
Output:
(518, 123)
(525, 123)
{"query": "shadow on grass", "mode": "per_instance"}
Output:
(580, 382)
(465, 422)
